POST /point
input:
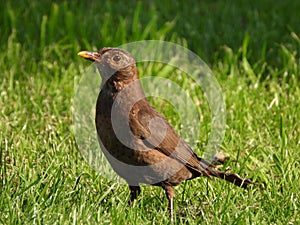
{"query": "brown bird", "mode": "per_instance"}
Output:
(139, 143)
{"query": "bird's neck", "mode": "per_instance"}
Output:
(125, 85)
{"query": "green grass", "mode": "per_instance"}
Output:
(252, 48)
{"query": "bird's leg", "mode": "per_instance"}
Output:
(170, 195)
(134, 192)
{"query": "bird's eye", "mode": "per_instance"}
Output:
(116, 58)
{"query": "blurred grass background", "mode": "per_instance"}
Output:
(252, 48)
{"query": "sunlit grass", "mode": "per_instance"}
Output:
(254, 53)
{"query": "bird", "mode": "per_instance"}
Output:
(139, 143)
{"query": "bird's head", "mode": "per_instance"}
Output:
(112, 62)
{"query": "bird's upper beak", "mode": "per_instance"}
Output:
(93, 56)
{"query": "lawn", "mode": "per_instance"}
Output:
(252, 49)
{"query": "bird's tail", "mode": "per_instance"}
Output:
(207, 169)
(231, 177)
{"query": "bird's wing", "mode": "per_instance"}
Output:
(152, 128)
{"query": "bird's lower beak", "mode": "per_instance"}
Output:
(93, 56)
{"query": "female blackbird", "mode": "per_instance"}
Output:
(139, 143)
